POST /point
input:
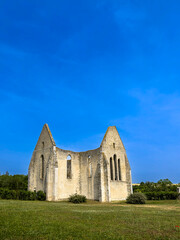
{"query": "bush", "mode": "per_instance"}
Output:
(41, 196)
(22, 195)
(136, 198)
(76, 198)
(32, 196)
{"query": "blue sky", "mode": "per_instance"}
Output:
(81, 66)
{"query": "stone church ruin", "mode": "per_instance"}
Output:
(101, 174)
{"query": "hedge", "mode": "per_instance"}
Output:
(22, 195)
(161, 195)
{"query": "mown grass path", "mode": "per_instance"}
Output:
(62, 220)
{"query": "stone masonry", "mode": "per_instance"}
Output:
(101, 174)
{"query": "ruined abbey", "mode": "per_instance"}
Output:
(102, 174)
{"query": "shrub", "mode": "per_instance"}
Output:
(1, 192)
(76, 198)
(136, 198)
(22, 195)
(41, 196)
(32, 196)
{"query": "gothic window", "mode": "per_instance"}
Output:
(119, 169)
(69, 175)
(42, 144)
(115, 167)
(89, 167)
(114, 145)
(111, 168)
(42, 167)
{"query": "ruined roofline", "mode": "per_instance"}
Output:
(77, 152)
(54, 144)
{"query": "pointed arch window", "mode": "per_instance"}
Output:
(115, 167)
(42, 167)
(69, 174)
(111, 168)
(119, 169)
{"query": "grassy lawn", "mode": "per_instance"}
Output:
(92, 220)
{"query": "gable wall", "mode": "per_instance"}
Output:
(35, 167)
(118, 188)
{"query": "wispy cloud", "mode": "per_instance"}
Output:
(130, 15)
(152, 135)
(6, 49)
(157, 113)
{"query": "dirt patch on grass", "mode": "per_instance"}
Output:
(123, 204)
(164, 207)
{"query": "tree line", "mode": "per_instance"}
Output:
(14, 182)
(163, 189)
(15, 187)
(162, 185)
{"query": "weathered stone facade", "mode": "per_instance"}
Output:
(102, 174)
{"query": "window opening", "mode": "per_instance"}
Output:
(42, 167)
(119, 169)
(69, 175)
(111, 168)
(115, 167)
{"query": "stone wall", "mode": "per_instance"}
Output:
(67, 186)
(90, 173)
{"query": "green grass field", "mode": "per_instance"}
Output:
(62, 220)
